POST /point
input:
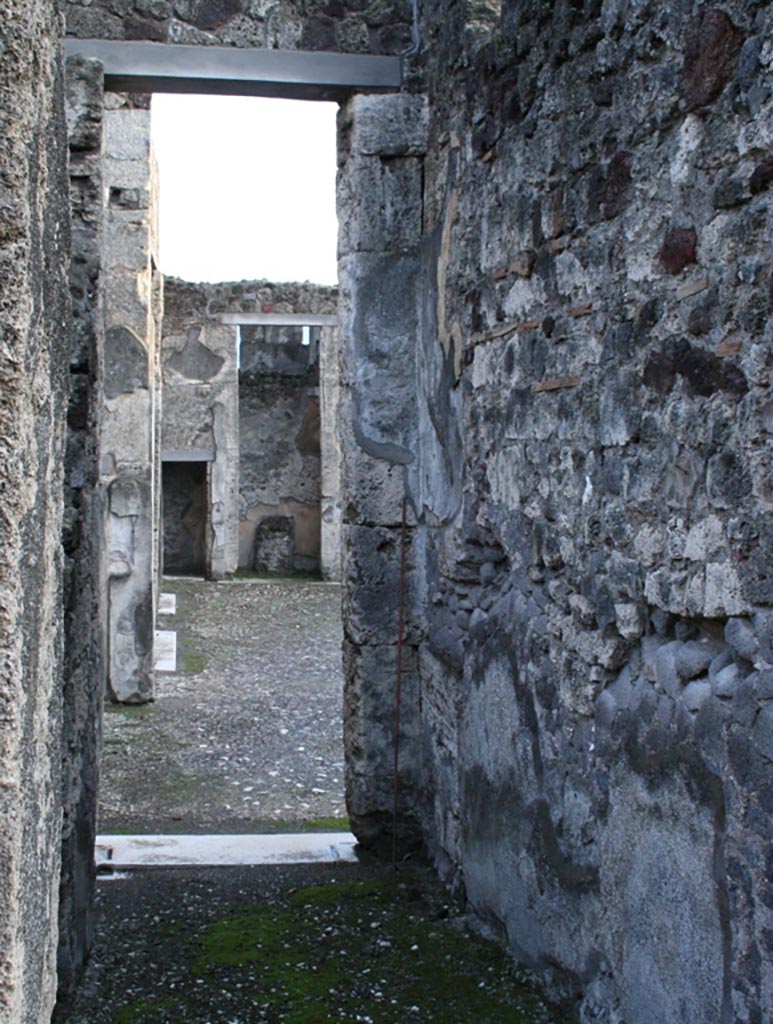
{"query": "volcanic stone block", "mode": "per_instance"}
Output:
(710, 57)
(390, 126)
(371, 575)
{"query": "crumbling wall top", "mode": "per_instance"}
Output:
(370, 27)
(184, 299)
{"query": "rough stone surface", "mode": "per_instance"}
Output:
(34, 357)
(274, 453)
(565, 366)
(84, 584)
(370, 26)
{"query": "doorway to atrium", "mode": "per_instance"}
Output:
(243, 733)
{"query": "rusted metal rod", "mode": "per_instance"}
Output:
(399, 682)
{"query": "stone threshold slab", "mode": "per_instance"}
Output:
(124, 852)
(167, 604)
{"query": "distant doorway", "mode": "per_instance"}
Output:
(184, 497)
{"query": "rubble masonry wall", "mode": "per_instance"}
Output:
(364, 26)
(588, 726)
(84, 579)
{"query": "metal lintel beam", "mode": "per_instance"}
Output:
(231, 71)
(279, 319)
(187, 455)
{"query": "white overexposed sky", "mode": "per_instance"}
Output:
(247, 188)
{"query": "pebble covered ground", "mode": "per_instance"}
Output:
(246, 735)
(303, 944)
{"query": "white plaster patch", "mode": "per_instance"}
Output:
(704, 539)
(167, 604)
(571, 278)
(689, 138)
(505, 477)
(724, 594)
(522, 298)
(165, 650)
(223, 851)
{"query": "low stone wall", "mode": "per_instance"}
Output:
(185, 297)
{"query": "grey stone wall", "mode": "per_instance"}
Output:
(249, 297)
(589, 745)
(279, 445)
(382, 141)
(275, 449)
(359, 26)
(201, 411)
(84, 584)
(34, 354)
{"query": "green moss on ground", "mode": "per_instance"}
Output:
(129, 710)
(251, 574)
(309, 825)
(193, 663)
(385, 952)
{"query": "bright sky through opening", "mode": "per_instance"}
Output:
(247, 188)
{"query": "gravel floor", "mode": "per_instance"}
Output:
(246, 735)
(305, 944)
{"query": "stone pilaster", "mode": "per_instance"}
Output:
(382, 143)
(128, 470)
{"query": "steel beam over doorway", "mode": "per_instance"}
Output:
(231, 71)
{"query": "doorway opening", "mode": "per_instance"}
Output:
(243, 729)
(185, 518)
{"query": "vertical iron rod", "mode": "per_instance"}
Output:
(398, 682)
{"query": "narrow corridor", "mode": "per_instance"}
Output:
(245, 736)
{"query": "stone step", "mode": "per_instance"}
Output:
(122, 852)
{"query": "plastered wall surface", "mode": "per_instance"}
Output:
(587, 739)
(129, 421)
(279, 448)
(201, 412)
